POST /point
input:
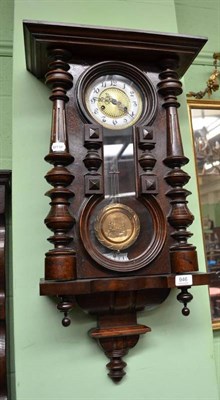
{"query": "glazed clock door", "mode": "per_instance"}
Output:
(122, 229)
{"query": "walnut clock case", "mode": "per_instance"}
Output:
(119, 215)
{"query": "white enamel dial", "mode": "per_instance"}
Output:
(114, 101)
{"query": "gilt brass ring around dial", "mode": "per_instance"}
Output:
(117, 226)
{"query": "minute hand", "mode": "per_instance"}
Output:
(119, 105)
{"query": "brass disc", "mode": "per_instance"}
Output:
(117, 226)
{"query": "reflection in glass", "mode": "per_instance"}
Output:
(206, 132)
(119, 164)
(205, 124)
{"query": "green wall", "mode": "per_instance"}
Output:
(175, 361)
(202, 18)
(6, 38)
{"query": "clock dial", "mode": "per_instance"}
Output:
(114, 101)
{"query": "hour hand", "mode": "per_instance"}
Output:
(119, 105)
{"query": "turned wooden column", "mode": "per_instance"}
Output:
(182, 254)
(59, 262)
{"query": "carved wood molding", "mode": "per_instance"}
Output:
(111, 43)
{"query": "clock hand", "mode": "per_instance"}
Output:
(107, 99)
(119, 105)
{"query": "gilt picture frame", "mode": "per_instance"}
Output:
(204, 118)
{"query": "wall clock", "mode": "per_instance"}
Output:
(119, 216)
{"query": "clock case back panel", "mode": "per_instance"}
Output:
(86, 267)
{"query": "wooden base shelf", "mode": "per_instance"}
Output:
(86, 286)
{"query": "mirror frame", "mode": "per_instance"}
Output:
(204, 105)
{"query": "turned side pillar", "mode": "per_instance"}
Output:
(183, 255)
(60, 261)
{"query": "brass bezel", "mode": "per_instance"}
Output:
(128, 71)
(117, 242)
